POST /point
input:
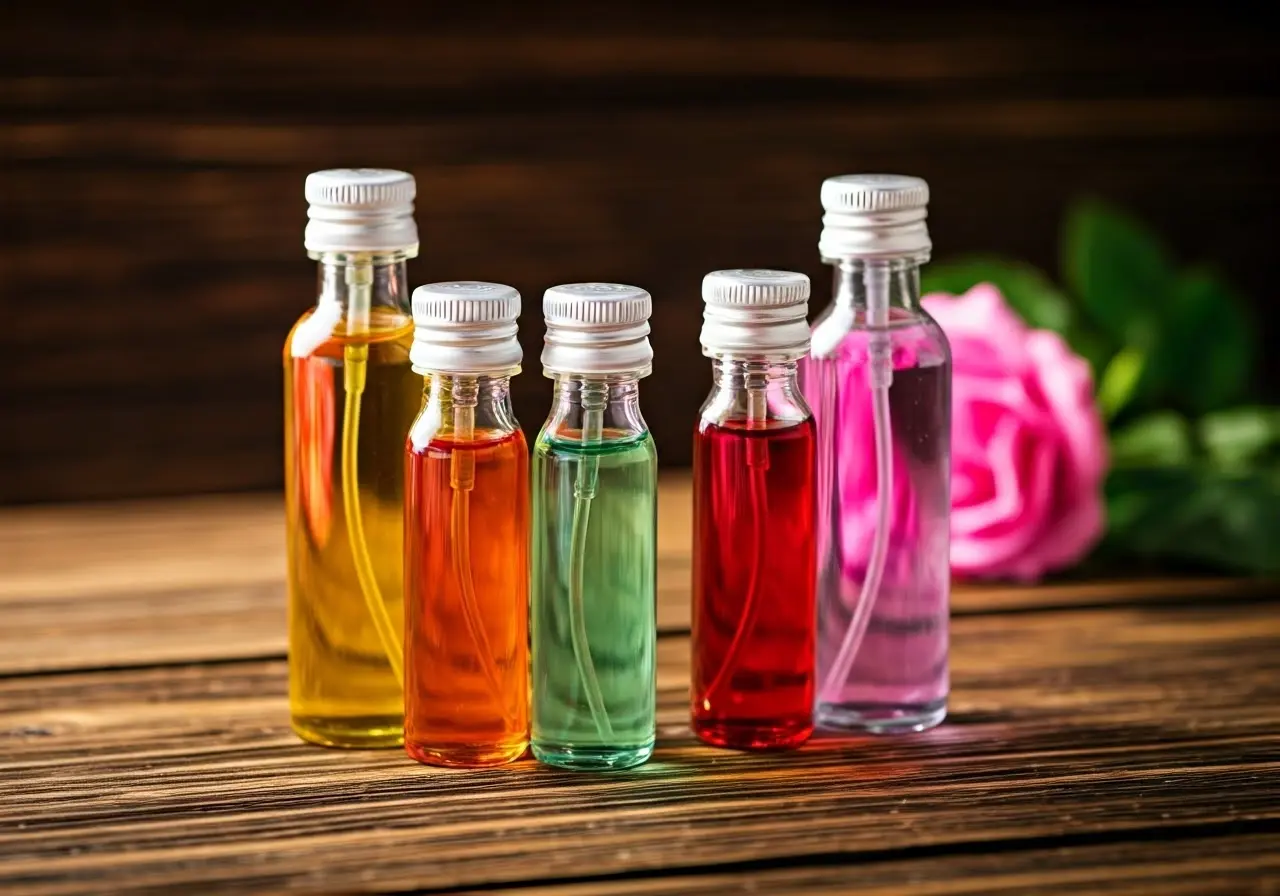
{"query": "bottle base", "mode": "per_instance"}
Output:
(350, 732)
(874, 718)
(777, 735)
(579, 758)
(486, 755)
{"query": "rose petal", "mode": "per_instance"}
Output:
(981, 313)
(986, 536)
(1067, 386)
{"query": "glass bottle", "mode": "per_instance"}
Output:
(594, 597)
(753, 513)
(466, 533)
(879, 380)
(350, 396)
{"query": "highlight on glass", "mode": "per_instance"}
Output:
(466, 533)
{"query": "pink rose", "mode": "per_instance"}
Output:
(1028, 451)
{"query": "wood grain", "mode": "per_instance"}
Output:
(1109, 737)
(1071, 725)
(145, 566)
(1172, 867)
(152, 159)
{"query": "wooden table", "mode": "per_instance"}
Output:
(1102, 738)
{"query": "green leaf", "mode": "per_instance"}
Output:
(1241, 437)
(1093, 348)
(1120, 380)
(1119, 270)
(1026, 288)
(1160, 439)
(1227, 521)
(1205, 358)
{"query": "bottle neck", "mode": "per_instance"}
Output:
(875, 286)
(595, 408)
(469, 408)
(754, 393)
(364, 289)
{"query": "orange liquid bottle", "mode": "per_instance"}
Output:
(466, 534)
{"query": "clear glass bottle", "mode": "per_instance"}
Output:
(879, 381)
(466, 533)
(350, 396)
(593, 589)
(753, 517)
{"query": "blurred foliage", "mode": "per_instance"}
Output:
(1195, 461)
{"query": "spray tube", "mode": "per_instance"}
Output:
(462, 479)
(880, 378)
(355, 369)
(757, 452)
(594, 399)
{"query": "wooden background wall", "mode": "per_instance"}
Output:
(152, 158)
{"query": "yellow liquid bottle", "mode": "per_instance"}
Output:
(350, 398)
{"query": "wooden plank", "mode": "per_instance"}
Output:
(1092, 724)
(209, 573)
(815, 40)
(1247, 864)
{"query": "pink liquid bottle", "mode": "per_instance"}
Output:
(878, 378)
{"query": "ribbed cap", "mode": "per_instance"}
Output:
(361, 210)
(465, 327)
(875, 216)
(599, 328)
(755, 312)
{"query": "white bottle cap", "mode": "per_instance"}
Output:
(875, 216)
(597, 328)
(753, 312)
(361, 210)
(465, 327)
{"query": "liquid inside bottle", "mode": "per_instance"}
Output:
(594, 613)
(466, 573)
(753, 584)
(342, 688)
(898, 679)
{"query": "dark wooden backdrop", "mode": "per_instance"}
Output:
(153, 156)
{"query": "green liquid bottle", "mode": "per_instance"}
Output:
(593, 584)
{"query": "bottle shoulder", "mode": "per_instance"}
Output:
(423, 439)
(610, 441)
(322, 332)
(614, 419)
(770, 426)
(435, 426)
(731, 408)
(914, 337)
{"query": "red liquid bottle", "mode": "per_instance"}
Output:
(754, 487)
